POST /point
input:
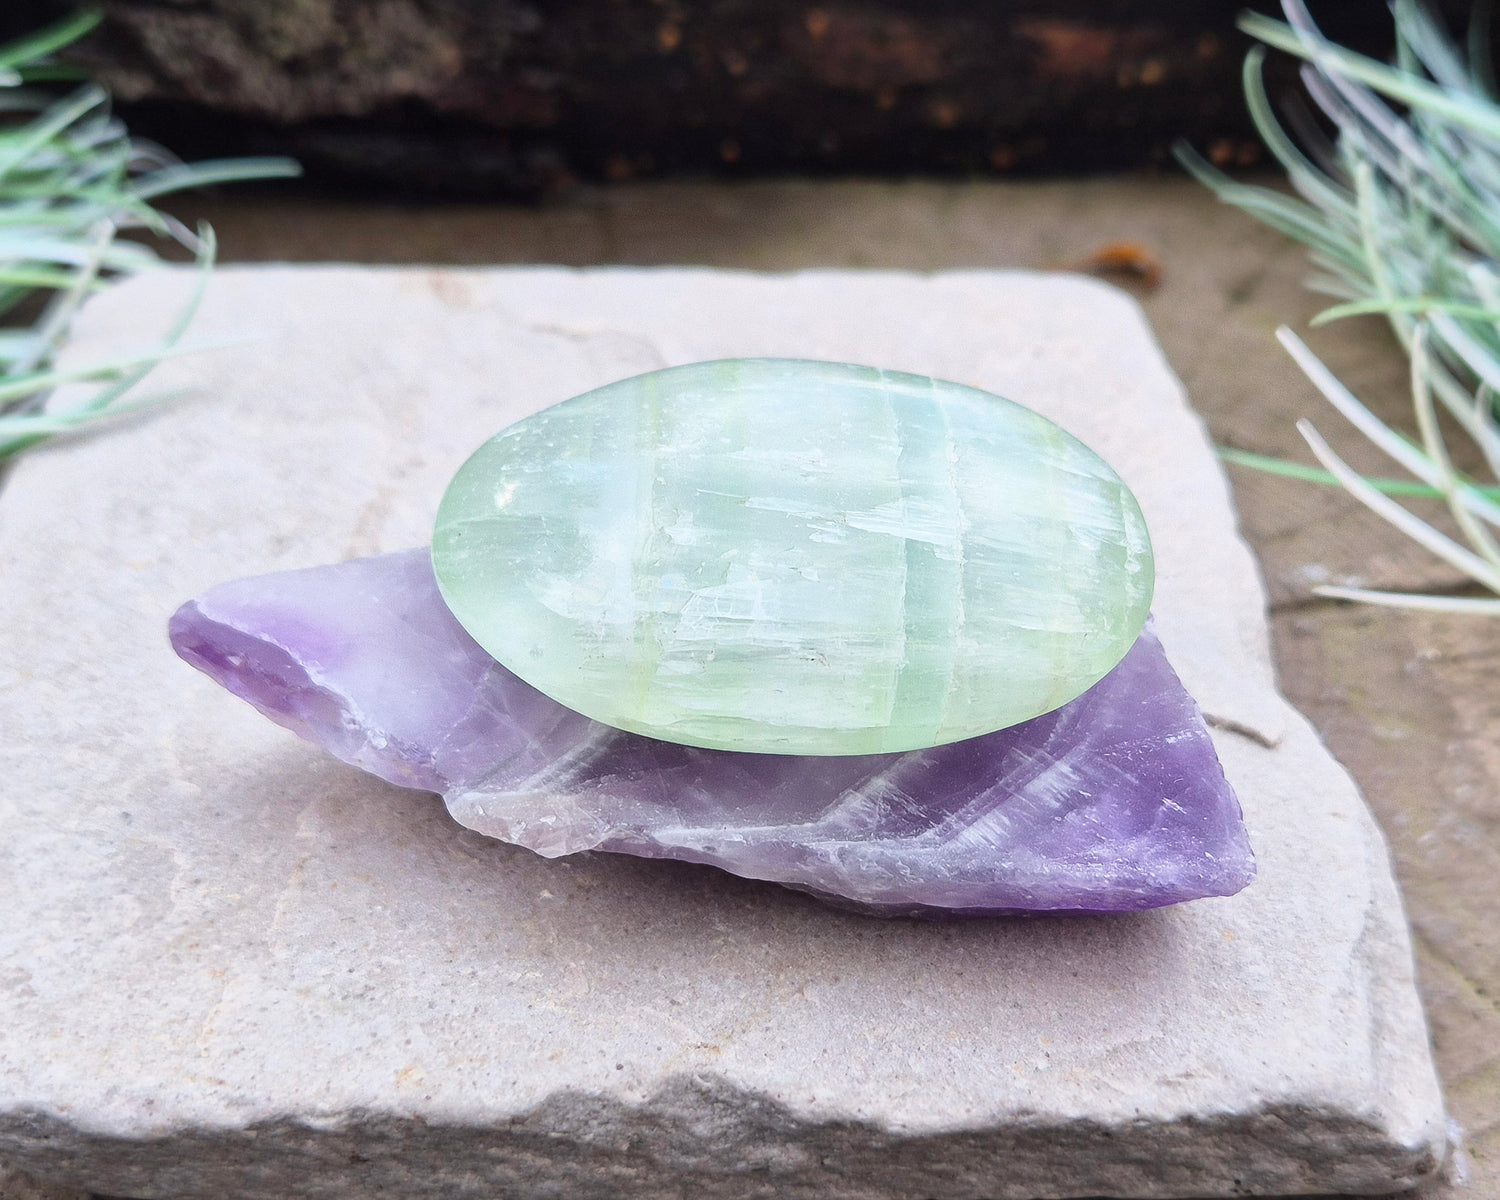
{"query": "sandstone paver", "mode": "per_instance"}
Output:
(242, 969)
(1226, 284)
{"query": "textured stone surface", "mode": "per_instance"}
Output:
(16, 1186)
(1115, 802)
(1404, 700)
(790, 557)
(231, 966)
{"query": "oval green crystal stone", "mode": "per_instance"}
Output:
(795, 558)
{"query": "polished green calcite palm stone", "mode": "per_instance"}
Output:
(795, 557)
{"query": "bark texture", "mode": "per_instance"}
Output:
(507, 97)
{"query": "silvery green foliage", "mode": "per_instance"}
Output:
(71, 181)
(1401, 214)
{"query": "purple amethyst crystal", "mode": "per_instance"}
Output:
(1115, 802)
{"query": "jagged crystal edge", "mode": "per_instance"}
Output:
(1115, 802)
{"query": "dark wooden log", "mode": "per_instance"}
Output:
(501, 97)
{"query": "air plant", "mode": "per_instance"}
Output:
(1401, 213)
(72, 180)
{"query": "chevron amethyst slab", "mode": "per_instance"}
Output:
(1114, 802)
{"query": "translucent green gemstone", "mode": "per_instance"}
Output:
(795, 557)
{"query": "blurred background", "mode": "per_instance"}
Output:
(492, 99)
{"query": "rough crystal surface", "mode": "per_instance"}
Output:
(1114, 802)
(796, 557)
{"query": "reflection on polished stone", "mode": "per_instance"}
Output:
(796, 557)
